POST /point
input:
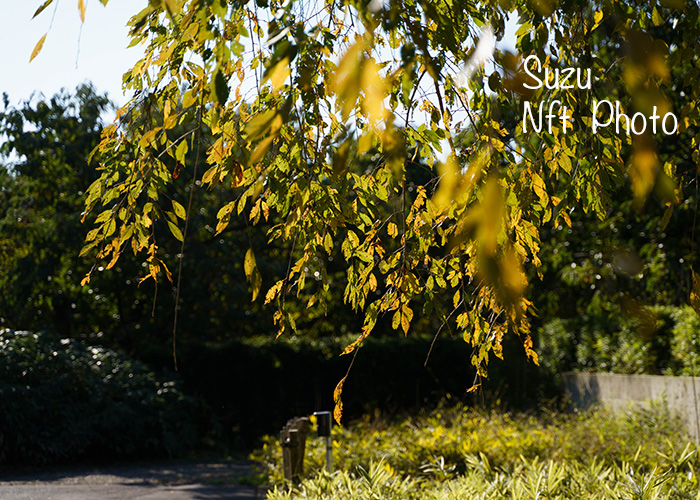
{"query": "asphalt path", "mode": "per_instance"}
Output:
(127, 492)
(179, 481)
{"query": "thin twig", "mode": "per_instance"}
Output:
(184, 233)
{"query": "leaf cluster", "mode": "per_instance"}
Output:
(316, 113)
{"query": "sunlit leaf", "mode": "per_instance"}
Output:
(179, 210)
(249, 263)
(38, 47)
(642, 173)
(337, 393)
(278, 74)
(175, 231)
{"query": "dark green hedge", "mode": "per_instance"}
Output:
(62, 400)
(255, 385)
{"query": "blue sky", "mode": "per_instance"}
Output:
(70, 56)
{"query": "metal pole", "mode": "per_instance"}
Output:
(324, 426)
(329, 455)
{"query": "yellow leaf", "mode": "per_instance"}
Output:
(566, 218)
(278, 74)
(273, 291)
(372, 282)
(642, 173)
(179, 210)
(540, 189)
(255, 211)
(176, 231)
(249, 263)
(395, 320)
(260, 150)
(208, 176)
(260, 124)
(85, 280)
(168, 274)
(81, 8)
(38, 48)
(374, 88)
(350, 348)
(597, 18)
(529, 351)
(338, 410)
(473, 388)
(345, 81)
(392, 229)
(406, 317)
(111, 226)
(153, 271)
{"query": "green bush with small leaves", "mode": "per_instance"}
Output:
(436, 445)
(657, 340)
(63, 400)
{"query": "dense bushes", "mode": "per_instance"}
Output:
(435, 445)
(653, 340)
(63, 400)
(457, 453)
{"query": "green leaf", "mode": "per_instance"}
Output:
(249, 265)
(179, 210)
(220, 88)
(259, 124)
(176, 231)
(181, 150)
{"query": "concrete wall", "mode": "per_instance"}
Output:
(682, 394)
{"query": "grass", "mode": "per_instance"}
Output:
(456, 452)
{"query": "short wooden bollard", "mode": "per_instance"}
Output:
(293, 440)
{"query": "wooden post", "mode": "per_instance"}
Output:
(293, 440)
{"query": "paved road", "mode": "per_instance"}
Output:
(171, 481)
(126, 492)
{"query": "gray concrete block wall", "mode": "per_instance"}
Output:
(682, 394)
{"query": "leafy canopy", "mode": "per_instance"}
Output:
(317, 108)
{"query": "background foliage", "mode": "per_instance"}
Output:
(64, 400)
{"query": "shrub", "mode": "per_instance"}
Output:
(651, 340)
(435, 445)
(685, 344)
(526, 479)
(63, 400)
